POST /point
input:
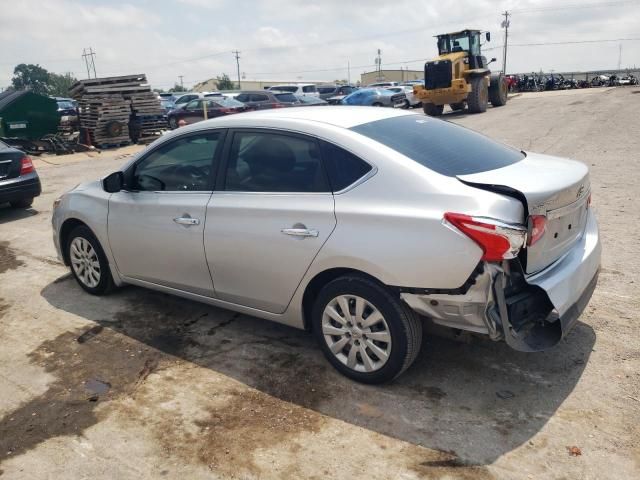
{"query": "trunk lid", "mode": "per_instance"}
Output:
(10, 162)
(554, 187)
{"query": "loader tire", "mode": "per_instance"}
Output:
(432, 110)
(479, 97)
(498, 90)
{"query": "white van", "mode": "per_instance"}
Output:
(298, 89)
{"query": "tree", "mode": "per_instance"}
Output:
(177, 88)
(225, 83)
(59, 84)
(31, 77)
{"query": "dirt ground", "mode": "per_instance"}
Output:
(143, 385)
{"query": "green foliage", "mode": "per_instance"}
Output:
(33, 77)
(225, 83)
(59, 84)
(177, 88)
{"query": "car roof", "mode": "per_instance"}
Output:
(337, 115)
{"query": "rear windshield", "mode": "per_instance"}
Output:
(285, 88)
(286, 97)
(326, 89)
(441, 146)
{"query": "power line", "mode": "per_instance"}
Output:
(576, 6)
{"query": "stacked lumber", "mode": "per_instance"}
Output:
(105, 119)
(126, 100)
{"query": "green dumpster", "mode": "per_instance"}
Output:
(24, 114)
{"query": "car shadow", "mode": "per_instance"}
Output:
(10, 214)
(478, 399)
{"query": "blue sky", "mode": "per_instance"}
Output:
(302, 40)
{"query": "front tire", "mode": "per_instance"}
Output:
(89, 264)
(432, 110)
(22, 203)
(367, 333)
(478, 99)
(173, 123)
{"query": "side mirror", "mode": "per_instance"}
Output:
(492, 60)
(113, 183)
(487, 35)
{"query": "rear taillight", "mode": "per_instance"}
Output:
(278, 105)
(498, 240)
(26, 166)
(537, 225)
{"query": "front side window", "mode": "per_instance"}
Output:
(258, 97)
(309, 88)
(243, 97)
(441, 146)
(270, 162)
(286, 97)
(182, 165)
(193, 105)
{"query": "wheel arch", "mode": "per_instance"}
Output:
(65, 230)
(319, 281)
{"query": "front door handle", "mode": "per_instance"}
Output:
(300, 232)
(188, 221)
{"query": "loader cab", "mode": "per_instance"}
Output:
(467, 41)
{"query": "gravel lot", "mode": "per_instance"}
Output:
(143, 385)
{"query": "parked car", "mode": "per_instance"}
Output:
(19, 181)
(68, 114)
(326, 92)
(411, 101)
(193, 111)
(376, 97)
(168, 104)
(188, 97)
(265, 99)
(298, 89)
(310, 101)
(354, 223)
(382, 84)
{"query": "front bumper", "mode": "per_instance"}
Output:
(530, 313)
(25, 186)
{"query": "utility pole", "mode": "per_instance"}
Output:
(619, 56)
(89, 62)
(379, 65)
(348, 72)
(237, 54)
(505, 25)
(181, 83)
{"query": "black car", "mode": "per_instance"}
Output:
(264, 99)
(19, 182)
(328, 91)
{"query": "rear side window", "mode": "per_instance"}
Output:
(441, 146)
(258, 97)
(286, 97)
(270, 162)
(343, 168)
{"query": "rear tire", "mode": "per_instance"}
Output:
(369, 353)
(22, 203)
(478, 99)
(173, 123)
(498, 91)
(88, 262)
(432, 110)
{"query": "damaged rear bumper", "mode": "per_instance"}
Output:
(530, 313)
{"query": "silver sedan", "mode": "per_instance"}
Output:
(357, 224)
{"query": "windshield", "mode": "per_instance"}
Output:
(286, 97)
(453, 43)
(227, 102)
(65, 105)
(441, 146)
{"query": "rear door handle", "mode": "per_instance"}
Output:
(188, 221)
(300, 232)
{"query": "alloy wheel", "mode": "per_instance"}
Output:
(85, 262)
(356, 333)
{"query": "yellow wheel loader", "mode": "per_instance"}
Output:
(460, 76)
